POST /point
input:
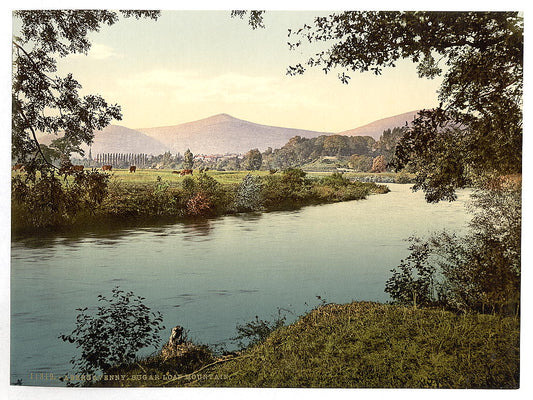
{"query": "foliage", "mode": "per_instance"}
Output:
(285, 190)
(360, 163)
(45, 102)
(188, 159)
(115, 333)
(412, 283)
(386, 145)
(258, 330)
(479, 271)
(477, 129)
(93, 197)
(249, 196)
(255, 17)
(378, 164)
(43, 200)
(253, 160)
(299, 151)
(369, 345)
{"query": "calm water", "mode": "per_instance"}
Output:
(210, 276)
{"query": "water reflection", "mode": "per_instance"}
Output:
(110, 234)
(197, 230)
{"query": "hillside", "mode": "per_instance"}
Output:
(376, 128)
(118, 139)
(223, 133)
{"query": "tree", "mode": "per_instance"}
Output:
(360, 163)
(253, 160)
(476, 132)
(386, 145)
(45, 102)
(188, 159)
(378, 164)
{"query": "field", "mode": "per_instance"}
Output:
(146, 176)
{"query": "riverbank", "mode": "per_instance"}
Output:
(356, 345)
(91, 198)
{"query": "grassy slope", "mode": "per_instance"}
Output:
(360, 345)
(381, 346)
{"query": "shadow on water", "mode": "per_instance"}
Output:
(110, 231)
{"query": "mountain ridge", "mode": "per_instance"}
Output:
(223, 133)
(376, 128)
(216, 134)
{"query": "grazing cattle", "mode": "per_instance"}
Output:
(175, 172)
(133, 168)
(18, 167)
(76, 168)
(70, 169)
(186, 172)
(107, 167)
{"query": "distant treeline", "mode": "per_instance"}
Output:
(355, 152)
(125, 160)
(359, 153)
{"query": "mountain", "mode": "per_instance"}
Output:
(376, 128)
(222, 134)
(118, 139)
(219, 134)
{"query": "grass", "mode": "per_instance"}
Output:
(149, 176)
(360, 345)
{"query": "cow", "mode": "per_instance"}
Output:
(133, 168)
(107, 167)
(76, 168)
(18, 167)
(175, 172)
(186, 172)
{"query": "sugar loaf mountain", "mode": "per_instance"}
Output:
(218, 134)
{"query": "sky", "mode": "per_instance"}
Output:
(189, 65)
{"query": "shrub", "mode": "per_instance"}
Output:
(479, 271)
(413, 282)
(113, 336)
(248, 196)
(43, 200)
(257, 330)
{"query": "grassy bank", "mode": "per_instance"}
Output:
(90, 197)
(357, 345)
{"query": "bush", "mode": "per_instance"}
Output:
(113, 336)
(413, 282)
(248, 196)
(479, 271)
(256, 331)
(43, 200)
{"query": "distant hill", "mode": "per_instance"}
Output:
(376, 128)
(219, 134)
(118, 139)
(222, 134)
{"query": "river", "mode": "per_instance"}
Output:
(210, 276)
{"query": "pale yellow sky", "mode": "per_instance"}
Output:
(191, 65)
